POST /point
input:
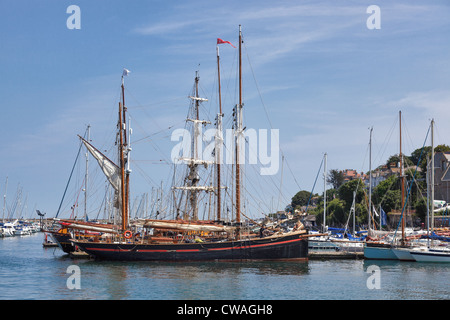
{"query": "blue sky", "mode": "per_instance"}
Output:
(322, 76)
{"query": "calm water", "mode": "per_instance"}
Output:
(28, 271)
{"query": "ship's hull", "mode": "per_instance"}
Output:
(292, 246)
(63, 241)
(431, 255)
(379, 251)
(403, 254)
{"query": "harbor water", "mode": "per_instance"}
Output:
(30, 272)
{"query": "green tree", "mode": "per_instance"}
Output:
(387, 194)
(335, 178)
(418, 153)
(442, 148)
(301, 198)
(346, 192)
(336, 213)
(421, 209)
(394, 160)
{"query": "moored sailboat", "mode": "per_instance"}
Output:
(186, 239)
(385, 249)
(431, 252)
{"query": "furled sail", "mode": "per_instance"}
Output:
(86, 225)
(185, 226)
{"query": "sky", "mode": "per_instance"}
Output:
(315, 70)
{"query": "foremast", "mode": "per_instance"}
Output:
(118, 175)
(124, 152)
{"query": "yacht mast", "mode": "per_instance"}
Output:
(4, 199)
(88, 129)
(370, 178)
(402, 177)
(432, 176)
(324, 193)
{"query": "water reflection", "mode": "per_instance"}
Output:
(187, 280)
(27, 271)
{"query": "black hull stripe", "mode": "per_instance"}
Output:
(195, 250)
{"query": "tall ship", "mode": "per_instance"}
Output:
(185, 237)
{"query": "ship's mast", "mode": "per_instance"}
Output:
(123, 155)
(193, 188)
(218, 140)
(238, 115)
(370, 181)
(193, 175)
(402, 177)
(432, 176)
(324, 193)
(86, 176)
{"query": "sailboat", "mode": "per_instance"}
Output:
(431, 253)
(328, 243)
(382, 250)
(185, 239)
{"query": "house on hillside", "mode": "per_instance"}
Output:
(350, 174)
(442, 176)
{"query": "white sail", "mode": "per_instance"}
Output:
(109, 168)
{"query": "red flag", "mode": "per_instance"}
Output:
(219, 41)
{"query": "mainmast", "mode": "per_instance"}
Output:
(218, 140)
(193, 177)
(238, 115)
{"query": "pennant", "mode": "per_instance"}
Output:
(383, 217)
(220, 41)
(125, 72)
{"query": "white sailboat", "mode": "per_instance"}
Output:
(8, 229)
(431, 253)
(392, 250)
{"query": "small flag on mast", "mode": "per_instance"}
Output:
(383, 217)
(125, 72)
(220, 41)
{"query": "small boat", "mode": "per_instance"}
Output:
(379, 250)
(431, 254)
(403, 253)
(7, 229)
(22, 230)
(48, 243)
